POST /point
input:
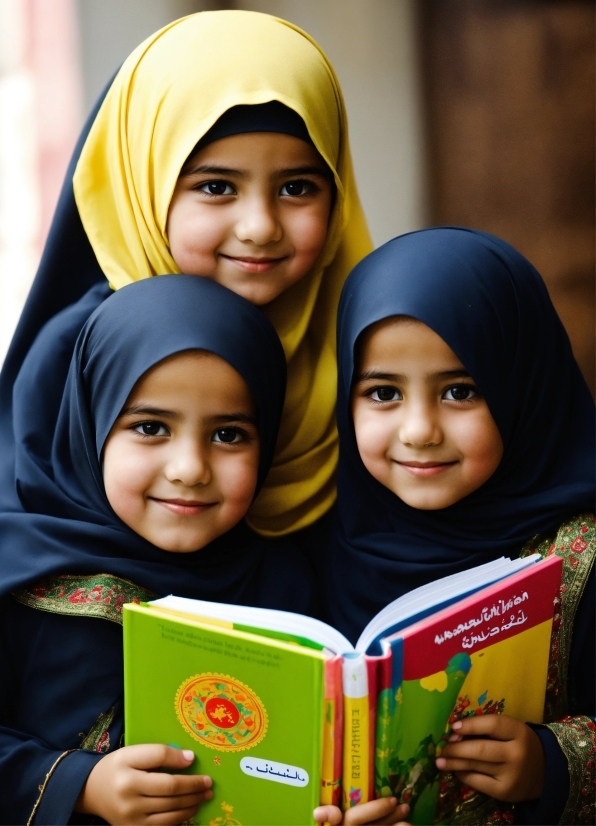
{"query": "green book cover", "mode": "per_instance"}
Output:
(249, 707)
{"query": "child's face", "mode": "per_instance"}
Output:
(251, 212)
(180, 463)
(422, 428)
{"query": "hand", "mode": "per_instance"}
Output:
(495, 755)
(127, 787)
(382, 811)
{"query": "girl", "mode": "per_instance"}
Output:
(164, 435)
(467, 433)
(220, 149)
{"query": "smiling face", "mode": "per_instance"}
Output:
(251, 212)
(422, 428)
(181, 461)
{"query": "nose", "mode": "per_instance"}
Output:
(258, 222)
(189, 464)
(420, 425)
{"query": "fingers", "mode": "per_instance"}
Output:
(484, 783)
(472, 751)
(488, 725)
(151, 756)
(371, 812)
(158, 784)
(171, 818)
(328, 814)
(382, 811)
(159, 805)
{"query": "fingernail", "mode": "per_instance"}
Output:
(456, 725)
(207, 781)
(188, 754)
(440, 762)
(405, 808)
(208, 795)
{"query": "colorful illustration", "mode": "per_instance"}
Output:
(220, 712)
(354, 795)
(227, 819)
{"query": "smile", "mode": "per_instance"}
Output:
(425, 470)
(254, 264)
(184, 507)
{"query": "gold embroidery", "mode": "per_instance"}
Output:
(42, 788)
(99, 595)
(576, 737)
(98, 738)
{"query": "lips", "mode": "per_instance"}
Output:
(254, 264)
(426, 469)
(184, 507)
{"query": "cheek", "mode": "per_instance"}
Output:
(125, 480)
(237, 478)
(484, 448)
(373, 437)
(309, 231)
(193, 236)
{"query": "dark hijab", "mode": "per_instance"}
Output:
(64, 523)
(493, 310)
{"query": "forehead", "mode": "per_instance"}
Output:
(405, 340)
(257, 149)
(193, 376)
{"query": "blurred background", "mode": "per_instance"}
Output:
(470, 112)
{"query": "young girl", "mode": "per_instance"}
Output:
(165, 433)
(221, 150)
(467, 433)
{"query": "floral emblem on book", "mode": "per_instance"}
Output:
(221, 712)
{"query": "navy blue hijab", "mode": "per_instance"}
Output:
(493, 310)
(64, 523)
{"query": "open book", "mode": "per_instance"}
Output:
(284, 713)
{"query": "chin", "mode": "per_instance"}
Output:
(427, 503)
(173, 546)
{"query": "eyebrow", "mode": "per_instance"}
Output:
(143, 410)
(369, 375)
(207, 169)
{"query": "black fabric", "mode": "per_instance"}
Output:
(493, 310)
(262, 117)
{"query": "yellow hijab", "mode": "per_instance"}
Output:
(166, 96)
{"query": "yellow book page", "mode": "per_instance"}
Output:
(513, 670)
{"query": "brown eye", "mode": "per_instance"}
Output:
(460, 393)
(296, 188)
(217, 188)
(227, 435)
(385, 394)
(151, 429)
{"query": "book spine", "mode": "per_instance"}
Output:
(372, 673)
(384, 712)
(356, 728)
(332, 758)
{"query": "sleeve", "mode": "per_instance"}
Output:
(569, 744)
(56, 672)
(38, 784)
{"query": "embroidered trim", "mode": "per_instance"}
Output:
(577, 738)
(98, 737)
(575, 543)
(100, 595)
(42, 788)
